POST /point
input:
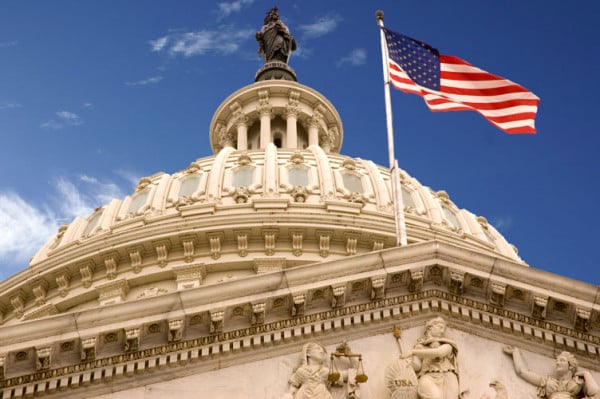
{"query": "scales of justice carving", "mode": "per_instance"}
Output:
(314, 379)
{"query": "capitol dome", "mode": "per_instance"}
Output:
(226, 270)
(276, 195)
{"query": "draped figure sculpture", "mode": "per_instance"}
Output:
(314, 379)
(275, 43)
(566, 383)
(434, 360)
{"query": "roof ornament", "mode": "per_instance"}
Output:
(275, 44)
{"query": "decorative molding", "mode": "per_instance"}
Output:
(111, 262)
(267, 265)
(175, 330)
(416, 280)
(40, 289)
(88, 349)
(539, 306)
(217, 318)
(63, 279)
(18, 303)
(297, 237)
(188, 242)
(270, 236)
(498, 293)
(215, 239)
(298, 304)
(189, 276)
(86, 270)
(488, 318)
(324, 238)
(377, 288)
(132, 340)
(136, 256)
(338, 296)
(162, 248)
(112, 292)
(242, 242)
(43, 358)
(457, 282)
(258, 313)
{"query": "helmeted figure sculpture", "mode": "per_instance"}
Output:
(433, 359)
(274, 39)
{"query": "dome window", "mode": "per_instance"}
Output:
(407, 198)
(243, 177)
(93, 222)
(189, 186)
(450, 216)
(138, 201)
(353, 183)
(298, 176)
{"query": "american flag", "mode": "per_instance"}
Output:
(448, 83)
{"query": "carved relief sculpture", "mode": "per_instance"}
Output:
(314, 379)
(433, 359)
(566, 383)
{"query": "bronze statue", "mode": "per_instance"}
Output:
(275, 43)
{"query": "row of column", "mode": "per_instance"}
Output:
(265, 130)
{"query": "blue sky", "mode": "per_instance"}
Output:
(95, 95)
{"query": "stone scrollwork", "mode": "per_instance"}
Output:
(241, 195)
(299, 193)
(315, 379)
(566, 382)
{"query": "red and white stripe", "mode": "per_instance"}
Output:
(507, 105)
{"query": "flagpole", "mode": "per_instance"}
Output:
(394, 171)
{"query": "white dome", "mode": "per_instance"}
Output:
(242, 211)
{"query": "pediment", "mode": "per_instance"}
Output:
(485, 299)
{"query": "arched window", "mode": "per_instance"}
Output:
(353, 183)
(138, 201)
(93, 222)
(298, 176)
(451, 216)
(407, 198)
(243, 177)
(189, 186)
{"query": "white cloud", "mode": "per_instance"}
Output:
(356, 57)
(159, 44)
(87, 105)
(144, 82)
(320, 27)
(503, 223)
(9, 44)
(24, 228)
(69, 118)
(74, 203)
(10, 106)
(188, 44)
(228, 8)
(65, 118)
(131, 177)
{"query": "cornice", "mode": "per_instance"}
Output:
(199, 354)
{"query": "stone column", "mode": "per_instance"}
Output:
(292, 111)
(313, 131)
(242, 135)
(264, 110)
(265, 129)
(292, 127)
